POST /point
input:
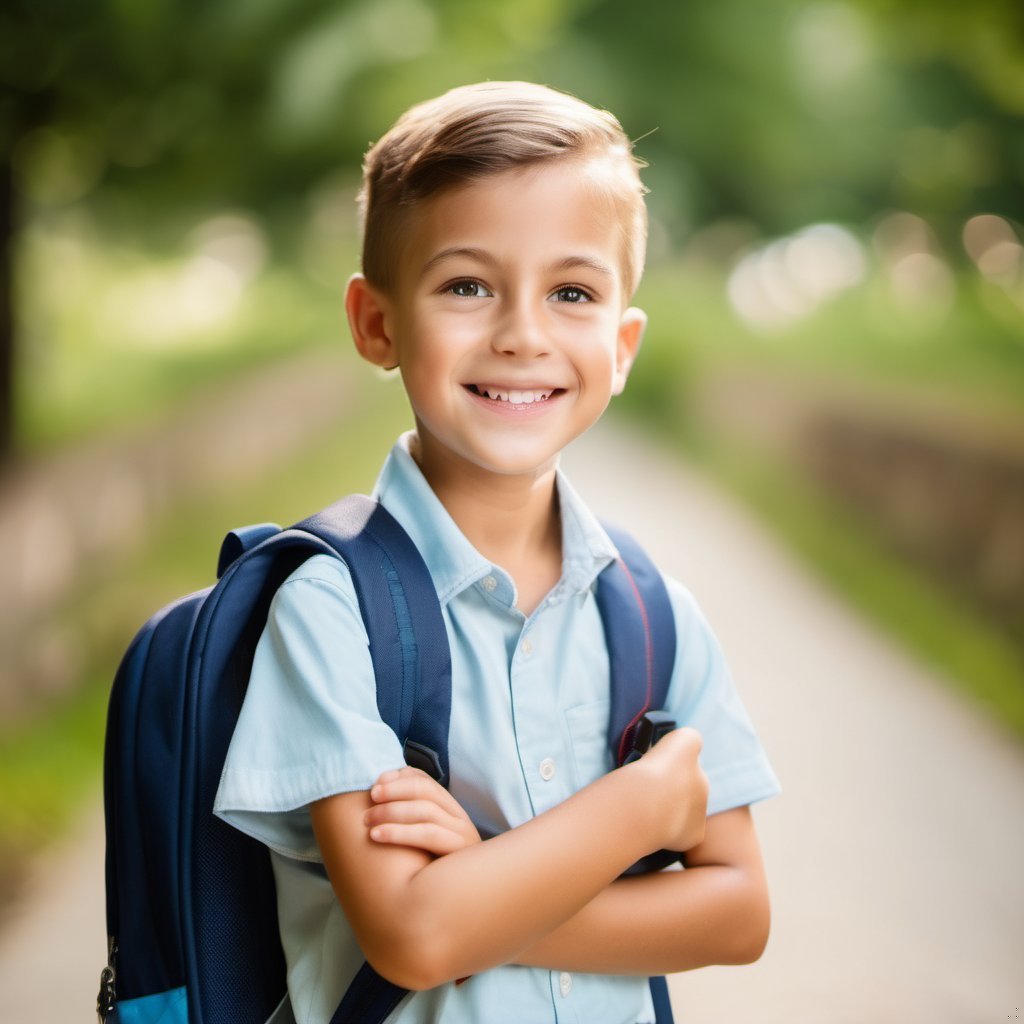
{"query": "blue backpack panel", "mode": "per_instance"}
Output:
(191, 907)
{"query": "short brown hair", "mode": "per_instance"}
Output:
(478, 130)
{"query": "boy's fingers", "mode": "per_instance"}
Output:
(403, 787)
(413, 784)
(432, 838)
(408, 811)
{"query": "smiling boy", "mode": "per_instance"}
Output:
(503, 240)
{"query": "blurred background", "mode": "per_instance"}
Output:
(835, 284)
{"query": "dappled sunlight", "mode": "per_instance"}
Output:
(188, 302)
(920, 282)
(832, 47)
(995, 247)
(316, 68)
(924, 284)
(786, 280)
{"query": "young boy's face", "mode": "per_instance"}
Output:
(507, 320)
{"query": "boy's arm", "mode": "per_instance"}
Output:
(422, 921)
(714, 912)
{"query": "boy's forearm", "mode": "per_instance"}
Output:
(489, 902)
(426, 921)
(659, 924)
(711, 913)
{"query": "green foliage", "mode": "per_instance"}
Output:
(112, 334)
(965, 340)
(784, 112)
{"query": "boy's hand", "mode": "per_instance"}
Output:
(678, 788)
(411, 809)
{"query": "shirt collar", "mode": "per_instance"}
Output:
(454, 564)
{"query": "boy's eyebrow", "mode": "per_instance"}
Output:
(482, 256)
(571, 262)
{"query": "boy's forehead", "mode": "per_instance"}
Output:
(539, 208)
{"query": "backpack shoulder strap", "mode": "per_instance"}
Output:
(408, 647)
(412, 664)
(401, 612)
(640, 632)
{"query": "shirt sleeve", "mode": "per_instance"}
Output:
(309, 725)
(702, 695)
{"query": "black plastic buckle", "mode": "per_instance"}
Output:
(418, 755)
(651, 728)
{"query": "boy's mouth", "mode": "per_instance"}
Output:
(514, 396)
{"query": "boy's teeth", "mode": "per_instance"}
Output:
(515, 397)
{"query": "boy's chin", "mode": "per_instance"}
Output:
(509, 461)
(513, 464)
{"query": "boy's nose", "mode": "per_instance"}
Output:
(520, 332)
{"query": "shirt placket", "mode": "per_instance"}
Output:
(542, 744)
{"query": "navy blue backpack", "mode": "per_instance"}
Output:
(191, 912)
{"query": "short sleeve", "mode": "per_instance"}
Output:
(702, 695)
(309, 725)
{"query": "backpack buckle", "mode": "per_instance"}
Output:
(418, 755)
(653, 725)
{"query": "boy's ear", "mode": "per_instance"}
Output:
(631, 333)
(367, 319)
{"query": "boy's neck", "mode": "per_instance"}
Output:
(513, 521)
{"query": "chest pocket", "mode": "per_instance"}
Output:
(588, 734)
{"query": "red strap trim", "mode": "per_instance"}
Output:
(648, 661)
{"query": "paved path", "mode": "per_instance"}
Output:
(894, 853)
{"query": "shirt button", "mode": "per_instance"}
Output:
(490, 583)
(547, 773)
(526, 646)
(565, 983)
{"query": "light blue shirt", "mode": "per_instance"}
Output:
(530, 707)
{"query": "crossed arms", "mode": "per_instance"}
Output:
(429, 902)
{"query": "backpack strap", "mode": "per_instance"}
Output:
(402, 615)
(412, 664)
(640, 633)
(242, 539)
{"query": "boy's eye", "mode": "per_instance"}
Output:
(468, 289)
(572, 293)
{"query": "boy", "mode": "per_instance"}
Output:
(504, 236)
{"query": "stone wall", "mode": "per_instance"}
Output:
(941, 481)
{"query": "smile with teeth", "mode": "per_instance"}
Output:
(511, 395)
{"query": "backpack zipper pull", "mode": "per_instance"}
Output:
(107, 997)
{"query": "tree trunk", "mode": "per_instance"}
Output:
(6, 311)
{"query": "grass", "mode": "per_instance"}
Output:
(112, 334)
(973, 352)
(49, 765)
